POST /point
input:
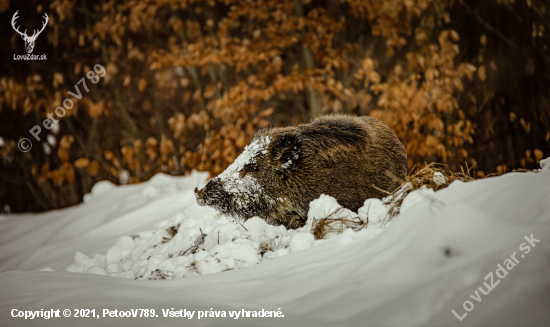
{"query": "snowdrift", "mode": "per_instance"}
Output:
(473, 254)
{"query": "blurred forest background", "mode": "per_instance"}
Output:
(188, 83)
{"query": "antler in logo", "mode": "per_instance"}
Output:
(29, 40)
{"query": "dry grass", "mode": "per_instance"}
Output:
(435, 176)
(335, 225)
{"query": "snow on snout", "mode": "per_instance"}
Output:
(230, 178)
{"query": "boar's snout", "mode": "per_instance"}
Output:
(213, 194)
(199, 195)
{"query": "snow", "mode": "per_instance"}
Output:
(122, 249)
(545, 164)
(243, 187)
(439, 178)
(288, 164)
(325, 206)
(301, 241)
(213, 244)
(124, 177)
(373, 212)
(248, 156)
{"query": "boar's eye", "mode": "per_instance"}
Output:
(250, 168)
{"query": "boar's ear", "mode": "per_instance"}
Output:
(287, 151)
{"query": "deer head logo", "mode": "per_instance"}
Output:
(29, 40)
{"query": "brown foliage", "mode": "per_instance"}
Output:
(188, 83)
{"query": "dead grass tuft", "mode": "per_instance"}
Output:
(336, 225)
(435, 176)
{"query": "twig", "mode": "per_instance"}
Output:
(381, 190)
(487, 26)
(243, 226)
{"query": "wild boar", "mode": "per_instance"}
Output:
(283, 169)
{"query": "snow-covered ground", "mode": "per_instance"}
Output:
(473, 254)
